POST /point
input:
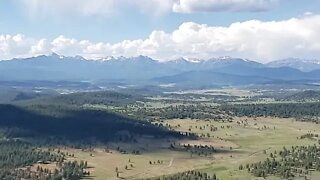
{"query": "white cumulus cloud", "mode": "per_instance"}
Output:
(254, 39)
(15, 46)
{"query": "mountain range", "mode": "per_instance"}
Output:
(141, 69)
(301, 64)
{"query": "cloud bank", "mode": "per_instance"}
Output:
(190, 6)
(254, 39)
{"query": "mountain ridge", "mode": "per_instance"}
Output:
(297, 63)
(143, 69)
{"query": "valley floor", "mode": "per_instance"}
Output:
(245, 140)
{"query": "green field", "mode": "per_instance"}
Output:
(250, 143)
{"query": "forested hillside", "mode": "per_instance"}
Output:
(284, 110)
(99, 97)
(309, 95)
(78, 125)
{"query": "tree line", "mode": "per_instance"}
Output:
(282, 110)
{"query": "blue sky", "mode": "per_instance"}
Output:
(14, 19)
(115, 21)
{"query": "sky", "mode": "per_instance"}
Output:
(260, 30)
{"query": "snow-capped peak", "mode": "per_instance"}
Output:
(53, 54)
(194, 60)
(107, 58)
(184, 60)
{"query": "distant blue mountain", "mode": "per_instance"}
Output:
(296, 63)
(55, 67)
(215, 71)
